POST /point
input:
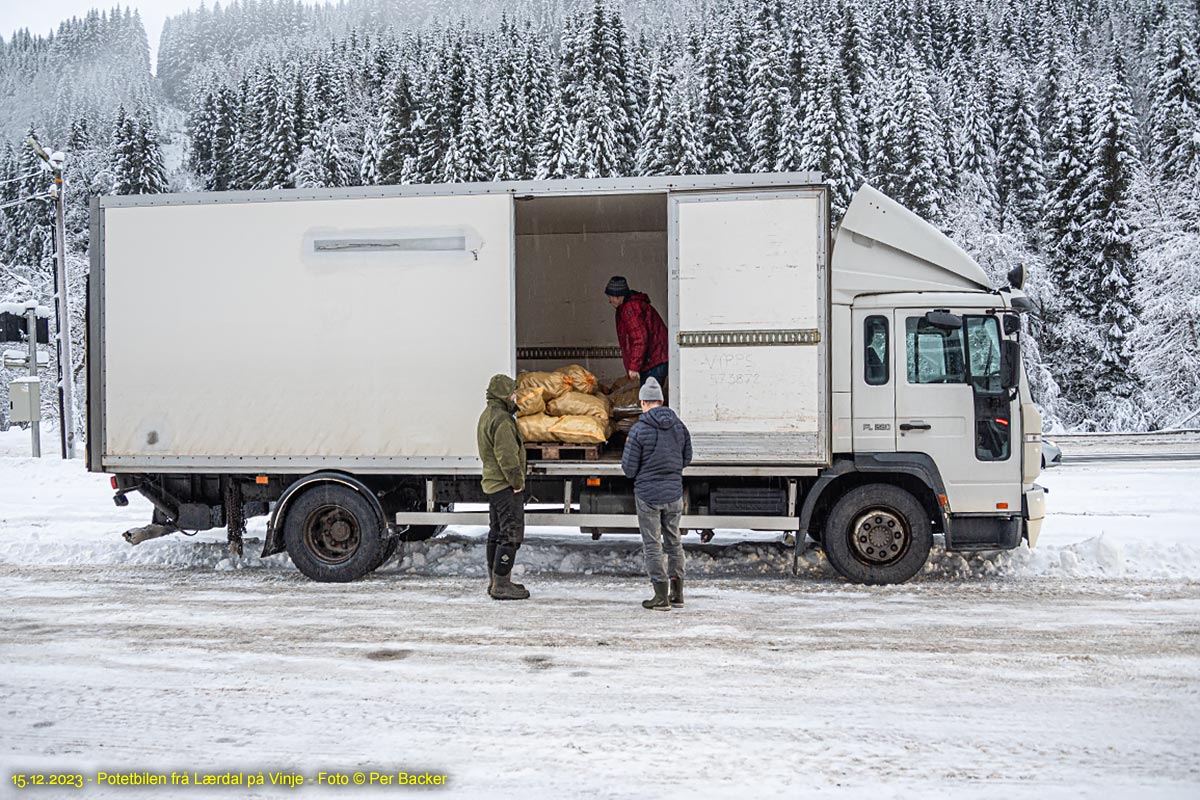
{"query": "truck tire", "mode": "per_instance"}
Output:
(333, 534)
(877, 534)
(387, 551)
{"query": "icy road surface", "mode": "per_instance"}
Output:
(1072, 670)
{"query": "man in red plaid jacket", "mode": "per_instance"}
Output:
(641, 332)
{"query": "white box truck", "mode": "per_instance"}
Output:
(320, 356)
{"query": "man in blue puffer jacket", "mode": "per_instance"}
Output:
(658, 449)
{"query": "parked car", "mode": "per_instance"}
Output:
(1051, 454)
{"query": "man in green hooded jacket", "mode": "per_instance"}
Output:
(503, 455)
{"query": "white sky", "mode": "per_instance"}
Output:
(43, 16)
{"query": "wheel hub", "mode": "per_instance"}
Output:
(879, 537)
(331, 534)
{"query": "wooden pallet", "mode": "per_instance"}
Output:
(554, 451)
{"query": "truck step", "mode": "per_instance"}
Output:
(560, 451)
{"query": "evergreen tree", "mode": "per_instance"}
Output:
(680, 150)
(556, 157)
(773, 126)
(651, 158)
(909, 161)
(831, 144)
(126, 159)
(152, 176)
(1019, 183)
(1175, 109)
(1109, 237)
(720, 149)
(398, 147)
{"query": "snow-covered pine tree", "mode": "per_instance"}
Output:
(398, 147)
(597, 143)
(371, 152)
(831, 143)
(1166, 342)
(468, 160)
(1109, 238)
(909, 158)
(772, 116)
(126, 158)
(152, 176)
(556, 156)
(1175, 105)
(200, 126)
(323, 162)
(503, 132)
(651, 156)
(977, 153)
(680, 144)
(1020, 186)
(720, 149)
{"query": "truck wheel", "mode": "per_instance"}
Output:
(333, 534)
(877, 534)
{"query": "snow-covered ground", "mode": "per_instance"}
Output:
(1069, 670)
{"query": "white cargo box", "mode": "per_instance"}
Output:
(357, 329)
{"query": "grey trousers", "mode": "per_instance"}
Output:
(659, 523)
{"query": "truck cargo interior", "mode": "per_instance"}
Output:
(566, 250)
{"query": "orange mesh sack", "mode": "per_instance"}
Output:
(537, 428)
(531, 400)
(579, 379)
(580, 404)
(578, 429)
(554, 384)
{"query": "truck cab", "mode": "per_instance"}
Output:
(927, 378)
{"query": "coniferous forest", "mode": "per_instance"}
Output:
(1061, 134)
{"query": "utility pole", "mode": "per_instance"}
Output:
(66, 380)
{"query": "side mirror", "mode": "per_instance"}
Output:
(944, 320)
(1012, 324)
(1010, 364)
(1016, 277)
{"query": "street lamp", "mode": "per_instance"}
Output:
(54, 162)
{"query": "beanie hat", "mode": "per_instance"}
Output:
(651, 392)
(617, 286)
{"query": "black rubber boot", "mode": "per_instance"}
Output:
(502, 587)
(659, 602)
(676, 595)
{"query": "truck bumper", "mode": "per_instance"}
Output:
(1033, 509)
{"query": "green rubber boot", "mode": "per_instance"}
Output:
(659, 602)
(676, 594)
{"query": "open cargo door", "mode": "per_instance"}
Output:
(298, 333)
(748, 313)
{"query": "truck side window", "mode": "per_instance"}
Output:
(993, 434)
(875, 339)
(935, 355)
(983, 344)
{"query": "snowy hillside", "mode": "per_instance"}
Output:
(1061, 135)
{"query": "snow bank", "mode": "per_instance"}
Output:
(454, 554)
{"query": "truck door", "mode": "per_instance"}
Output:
(950, 405)
(748, 319)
